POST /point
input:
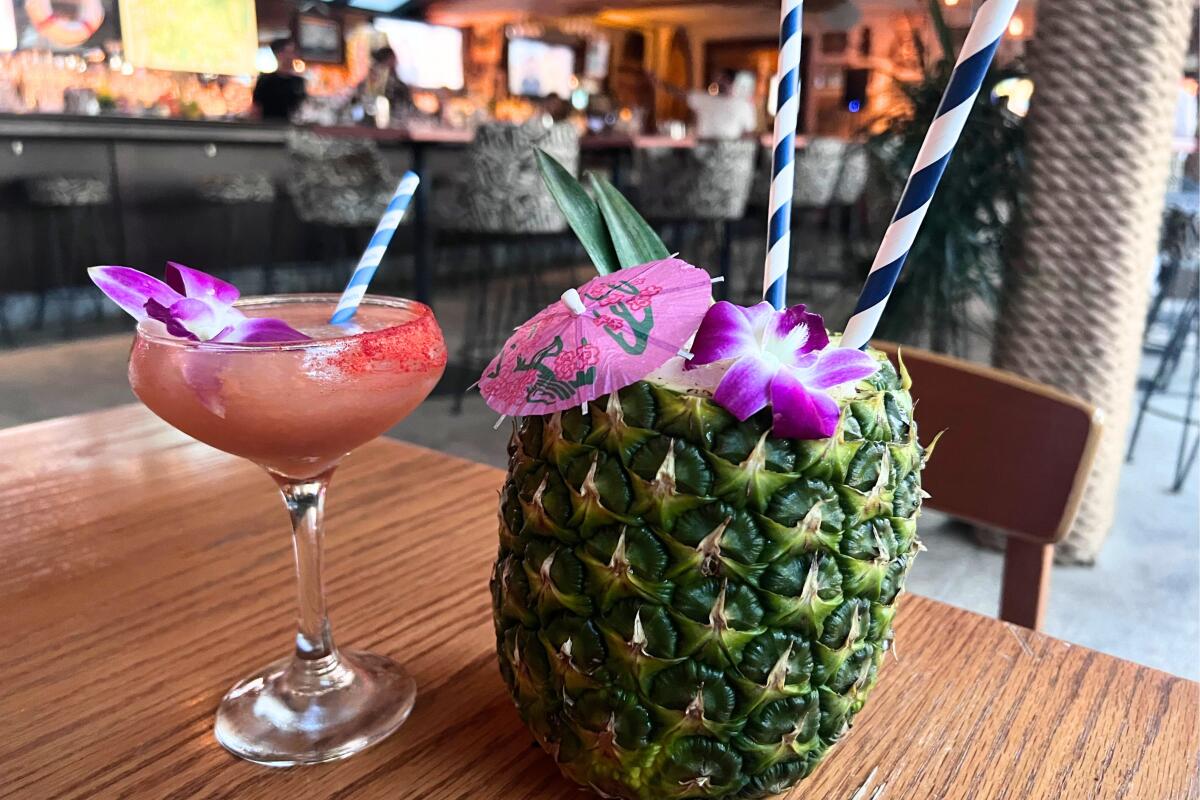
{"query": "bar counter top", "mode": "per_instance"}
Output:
(115, 127)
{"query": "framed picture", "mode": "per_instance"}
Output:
(319, 39)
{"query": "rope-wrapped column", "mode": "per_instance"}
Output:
(1106, 75)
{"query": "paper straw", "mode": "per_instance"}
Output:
(783, 167)
(369, 262)
(965, 83)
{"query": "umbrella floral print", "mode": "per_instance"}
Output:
(599, 338)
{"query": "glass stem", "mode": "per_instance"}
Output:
(305, 501)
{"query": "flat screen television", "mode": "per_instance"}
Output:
(319, 39)
(540, 69)
(427, 56)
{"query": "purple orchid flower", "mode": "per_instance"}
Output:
(191, 305)
(781, 359)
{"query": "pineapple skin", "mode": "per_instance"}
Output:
(688, 607)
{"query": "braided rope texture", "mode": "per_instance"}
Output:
(1107, 74)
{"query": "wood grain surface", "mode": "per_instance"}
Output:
(142, 574)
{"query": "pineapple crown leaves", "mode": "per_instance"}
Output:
(612, 232)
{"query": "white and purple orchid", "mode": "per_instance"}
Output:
(191, 305)
(781, 359)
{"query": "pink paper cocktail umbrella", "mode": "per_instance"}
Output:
(609, 333)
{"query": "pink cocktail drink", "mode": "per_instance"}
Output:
(294, 408)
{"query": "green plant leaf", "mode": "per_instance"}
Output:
(635, 241)
(581, 212)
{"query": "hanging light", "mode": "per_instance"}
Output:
(265, 60)
(1016, 28)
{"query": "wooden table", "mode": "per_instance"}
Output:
(142, 574)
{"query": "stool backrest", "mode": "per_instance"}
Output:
(501, 189)
(852, 174)
(818, 165)
(339, 182)
(710, 181)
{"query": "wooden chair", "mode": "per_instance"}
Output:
(1015, 457)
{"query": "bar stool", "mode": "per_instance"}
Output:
(709, 183)
(74, 226)
(831, 178)
(818, 165)
(496, 200)
(235, 201)
(339, 188)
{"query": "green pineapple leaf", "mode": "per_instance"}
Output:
(581, 212)
(635, 241)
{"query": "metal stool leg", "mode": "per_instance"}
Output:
(1168, 363)
(1186, 460)
(726, 260)
(475, 332)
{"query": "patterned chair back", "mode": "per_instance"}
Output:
(708, 182)
(852, 178)
(828, 172)
(818, 164)
(338, 182)
(499, 189)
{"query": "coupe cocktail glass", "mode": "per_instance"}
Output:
(297, 409)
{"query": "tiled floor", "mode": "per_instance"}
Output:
(1140, 602)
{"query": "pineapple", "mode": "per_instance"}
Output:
(689, 607)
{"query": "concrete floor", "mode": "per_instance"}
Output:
(1140, 602)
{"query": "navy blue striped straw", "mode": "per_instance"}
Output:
(967, 79)
(369, 262)
(783, 168)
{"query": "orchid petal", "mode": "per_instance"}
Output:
(759, 314)
(203, 377)
(725, 332)
(131, 289)
(165, 315)
(838, 366)
(744, 391)
(260, 330)
(194, 283)
(800, 331)
(800, 412)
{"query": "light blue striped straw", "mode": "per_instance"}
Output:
(967, 79)
(783, 166)
(369, 262)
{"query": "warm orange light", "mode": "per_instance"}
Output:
(951, 3)
(298, 65)
(1016, 27)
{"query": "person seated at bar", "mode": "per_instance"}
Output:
(278, 94)
(382, 81)
(725, 110)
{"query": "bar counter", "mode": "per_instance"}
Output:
(154, 169)
(157, 129)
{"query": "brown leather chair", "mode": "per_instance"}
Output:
(1015, 457)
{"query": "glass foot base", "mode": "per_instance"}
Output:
(309, 712)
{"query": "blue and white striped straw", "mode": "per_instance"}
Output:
(369, 262)
(967, 79)
(783, 167)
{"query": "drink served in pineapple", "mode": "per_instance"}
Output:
(295, 408)
(689, 606)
